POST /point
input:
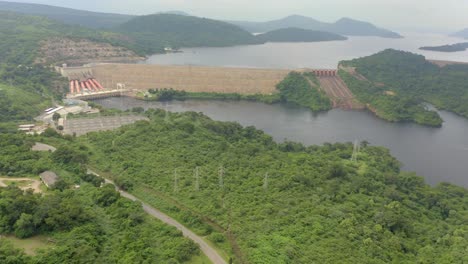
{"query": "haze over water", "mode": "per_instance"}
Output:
(308, 55)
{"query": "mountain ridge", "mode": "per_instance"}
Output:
(344, 26)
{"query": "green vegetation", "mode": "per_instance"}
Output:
(29, 245)
(448, 48)
(414, 81)
(298, 35)
(316, 206)
(154, 32)
(299, 89)
(171, 94)
(17, 104)
(67, 15)
(85, 225)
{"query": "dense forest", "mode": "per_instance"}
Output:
(303, 89)
(399, 83)
(91, 224)
(154, 32)
(284, 202)
(298, 35)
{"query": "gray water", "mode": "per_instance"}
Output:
(308, 55)
(438, 154)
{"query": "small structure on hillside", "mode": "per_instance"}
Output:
(49, 178)
(42, 147)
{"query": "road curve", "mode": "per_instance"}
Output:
(209, 251)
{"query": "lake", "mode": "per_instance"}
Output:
(308, 55)
(438, 154)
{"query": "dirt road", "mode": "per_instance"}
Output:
(34, 184)
(209, 251)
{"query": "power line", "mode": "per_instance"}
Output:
(221, 176)
(176, 181)
(197, 180)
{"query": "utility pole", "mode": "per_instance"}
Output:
(356, 149)
(221, 176)
(166, 117)
(265, 182)
(176, 181)
(197, 180)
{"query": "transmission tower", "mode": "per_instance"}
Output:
(166, 117)
(265, 181)
(197, 180)
(176, 181)
(356, 150)
(221, 176)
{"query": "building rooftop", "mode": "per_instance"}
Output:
(49, 178)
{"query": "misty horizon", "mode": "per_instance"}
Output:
(429, 16)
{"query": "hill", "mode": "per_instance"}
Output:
(154, 32)
(298, 35)
(448, 48)
(397, 83)
(90, 223)
(21, 37)
(461, 34)
(284, 202)
(67, 15)
(344, 26)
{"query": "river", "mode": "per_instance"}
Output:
(438, 154)
(308, 55)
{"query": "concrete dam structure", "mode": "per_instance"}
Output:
(106, 80)
(142, 77)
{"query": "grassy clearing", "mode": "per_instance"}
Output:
(29, 245)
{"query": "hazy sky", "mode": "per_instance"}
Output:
(446, 15)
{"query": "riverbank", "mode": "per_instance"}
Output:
(408, 142)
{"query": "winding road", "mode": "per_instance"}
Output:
(209, 251)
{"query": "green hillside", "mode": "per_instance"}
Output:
(302, 89)
(89, 224)
(298, 35)
(284, 203)
(67, 15)
(414, 80)
(17, 104)
(20, 36)
(154, 32)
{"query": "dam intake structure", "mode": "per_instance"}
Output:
(112, 79)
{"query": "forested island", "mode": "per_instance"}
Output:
(396, 85)
(448, 48)
(298, 35)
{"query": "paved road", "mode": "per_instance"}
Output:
(210, 252)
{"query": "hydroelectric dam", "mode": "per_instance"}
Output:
(111, 79)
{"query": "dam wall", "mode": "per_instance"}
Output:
(187, 78)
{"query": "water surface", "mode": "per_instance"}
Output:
(308, 55)
(438, 154)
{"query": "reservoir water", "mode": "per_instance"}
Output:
(438, 154)
(308, 55)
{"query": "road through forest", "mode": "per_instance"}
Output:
(209, 251)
